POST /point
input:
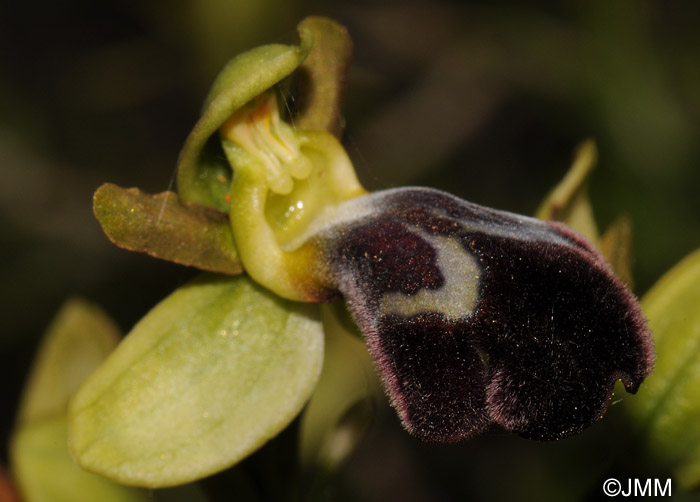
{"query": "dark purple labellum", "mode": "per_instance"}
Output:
(475, 316)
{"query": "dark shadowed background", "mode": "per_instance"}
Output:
(484, 99)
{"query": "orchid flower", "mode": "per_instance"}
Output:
(472, 316)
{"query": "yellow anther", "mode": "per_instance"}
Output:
(284, 181)
(259, 131)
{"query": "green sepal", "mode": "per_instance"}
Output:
(48, 473)
(203, 176)
(667, 407)
(79, 339)
(568, 202)
(616, 246)
(77, 342)
(341, 406)
(204, 379)
(162, 226)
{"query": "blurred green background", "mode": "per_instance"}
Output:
(484, 99)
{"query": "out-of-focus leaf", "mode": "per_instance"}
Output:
(78, 340)
(7, 490)
(204, 379)
(49, 474)
(616, 246)
(340, 408)
(323, 76)
(162, 226)
(668, 404)
(569, 202)
(244, 77)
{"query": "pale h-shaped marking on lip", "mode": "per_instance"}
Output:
(456, 298)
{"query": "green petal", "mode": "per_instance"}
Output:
(209, 375)
(48, 473)
(323, 76)
(162, 226)
(668, 404)
(569, 202)
(200, 169)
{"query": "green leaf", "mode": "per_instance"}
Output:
(340, 408)
(78, 340)
(569, 202)
(323, 76)
(204, 379)
(47, 472)
(162, 226)
(668, 403)
(201, 170)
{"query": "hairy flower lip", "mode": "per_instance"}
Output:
(552, 330)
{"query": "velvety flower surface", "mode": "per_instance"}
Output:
(475, 315)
